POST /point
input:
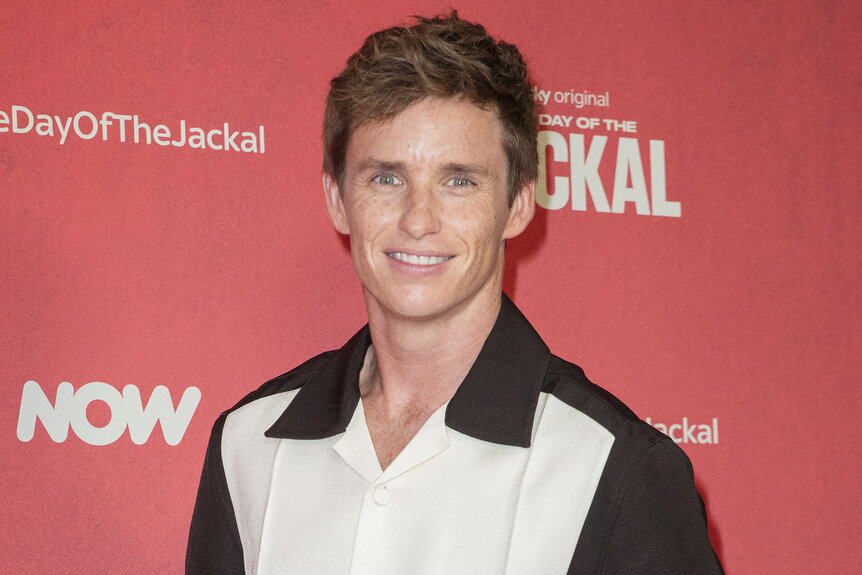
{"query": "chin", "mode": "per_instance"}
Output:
(415, 303)
(418, 308)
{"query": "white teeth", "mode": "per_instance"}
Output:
(417, 260)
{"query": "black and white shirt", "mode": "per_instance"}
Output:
(529, 469)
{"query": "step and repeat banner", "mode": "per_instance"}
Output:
(164, 249)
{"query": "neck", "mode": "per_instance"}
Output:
(421, 363)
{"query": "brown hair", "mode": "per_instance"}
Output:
(443, 56)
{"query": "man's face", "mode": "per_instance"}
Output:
(424, 203)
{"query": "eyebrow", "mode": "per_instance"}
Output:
(373, 164)
(469, 169)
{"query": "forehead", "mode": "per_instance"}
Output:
(429, 132)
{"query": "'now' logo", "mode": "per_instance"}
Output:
(127, 410)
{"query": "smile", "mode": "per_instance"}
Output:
(418, 260)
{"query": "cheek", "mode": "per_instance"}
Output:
(362, 217)
(480, 221)
(482, 239)
(368, 222)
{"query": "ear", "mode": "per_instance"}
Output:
(335, 205)
(521, 211)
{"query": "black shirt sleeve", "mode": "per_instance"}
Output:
(214, 546)
(661, 526)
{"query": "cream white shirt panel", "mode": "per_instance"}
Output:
(248, 457)
(449, 504)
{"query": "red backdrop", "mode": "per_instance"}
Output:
(187, 266)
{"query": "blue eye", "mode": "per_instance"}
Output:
(460, 182)
(387, 180)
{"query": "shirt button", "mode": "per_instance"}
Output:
(381, 496)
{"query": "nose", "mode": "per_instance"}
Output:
(420, 215)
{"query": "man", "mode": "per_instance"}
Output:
(443, 438)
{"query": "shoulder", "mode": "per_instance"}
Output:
(640, 456)
(286, 382)
(258, 409)
(569, 384)
(646, 510)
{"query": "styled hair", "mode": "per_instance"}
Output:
(441, 57)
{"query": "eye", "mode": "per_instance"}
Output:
(460, 182)
(386, 180)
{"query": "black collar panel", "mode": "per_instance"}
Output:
(496, 402)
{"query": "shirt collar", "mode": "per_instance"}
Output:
(496, 402)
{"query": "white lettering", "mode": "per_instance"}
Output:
(97, 391)
(21, 120)
(660, 205)
(159, 408)
(585, 173)
(64, 129)
(210, 139)
(16, 129)
(249, 142)
(548, 120)
(629, 183)
(688, 431)
(541, 95)
(70, 408)
(621, 126)
(161, 135)
(197, 138)
(181, 142)
(94, 124)
(557, 199)
(229, 143)
(629, 166)
(105, 122)
(695, 433)
(45, 125)
(36, 405)
(136, 129)
(123, 119)
(584, 123)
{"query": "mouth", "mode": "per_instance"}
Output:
(418, 260)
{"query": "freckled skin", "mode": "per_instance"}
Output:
(405, 190)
